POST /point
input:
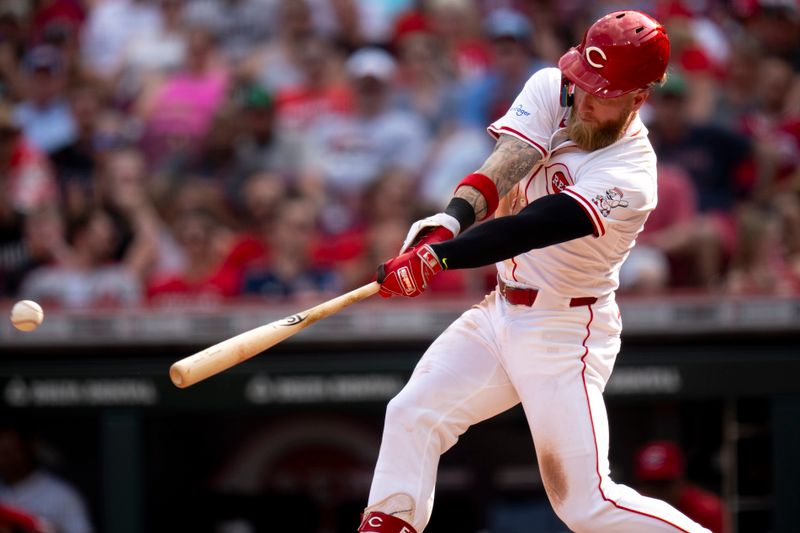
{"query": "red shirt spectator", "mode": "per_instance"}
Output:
(659, 469)
(206, 274)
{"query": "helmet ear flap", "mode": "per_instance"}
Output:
(567, 95)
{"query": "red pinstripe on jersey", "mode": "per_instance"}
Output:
(594, 434)
(497, 131)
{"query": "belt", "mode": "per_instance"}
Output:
(523, 296)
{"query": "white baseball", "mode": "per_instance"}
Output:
(26, 315)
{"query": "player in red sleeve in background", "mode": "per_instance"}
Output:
(660, 472)
(13, 520)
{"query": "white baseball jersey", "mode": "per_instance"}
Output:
(553, 358)
(616, 186)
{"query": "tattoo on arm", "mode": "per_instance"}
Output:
(510, 161)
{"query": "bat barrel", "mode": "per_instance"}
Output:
(235, 350)
(228, 353)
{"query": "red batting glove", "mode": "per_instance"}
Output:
(432, 235)
(408, 274)
(437, 228)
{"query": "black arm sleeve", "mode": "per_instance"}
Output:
(548, 220)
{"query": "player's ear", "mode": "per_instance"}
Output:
(639, 98)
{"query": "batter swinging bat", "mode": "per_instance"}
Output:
(242, 347)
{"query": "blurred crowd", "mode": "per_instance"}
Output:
(192, 151)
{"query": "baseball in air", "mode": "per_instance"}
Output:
(26, 315)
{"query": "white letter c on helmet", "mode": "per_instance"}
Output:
(588, 52)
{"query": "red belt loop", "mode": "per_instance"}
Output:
(586, 300)
(516, 295)
(526, 297)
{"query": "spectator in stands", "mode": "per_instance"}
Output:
(660, 472)
(61, 30)
(109, 28)
(699, 49)
(26, 186)
(152, 54)
(259, 202)
(350, 25)
(27, 243)
(206, 276)
(275, 65)
(513, 62)
(217, 161)
(774, 129)
(44, 114)
(738, 91)
(237, 25)
(323, 89)
(26, 485)
(87, 277)
(665, 247)
(12, 49)
(458, 24)
(425, 78)
(345, 153)
(124, 188)
(75, 164)
(66, 16)
(776, 25)
(291, 271)
(760, 264)
(178, 112)
(262, 145)
(714, 159)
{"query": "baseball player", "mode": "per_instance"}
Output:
(577, 178)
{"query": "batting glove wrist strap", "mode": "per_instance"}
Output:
(409, 274)
(437, 228)
(376, 522)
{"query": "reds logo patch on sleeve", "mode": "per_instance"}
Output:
(611, 200)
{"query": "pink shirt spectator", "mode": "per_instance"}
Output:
(182, 110)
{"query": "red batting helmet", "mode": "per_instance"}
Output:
(621, 52)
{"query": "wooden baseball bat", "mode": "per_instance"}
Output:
(242, 347)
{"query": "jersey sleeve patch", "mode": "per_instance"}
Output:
(619, 194)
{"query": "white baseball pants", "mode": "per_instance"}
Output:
(556, 361)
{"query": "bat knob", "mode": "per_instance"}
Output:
(176, 375)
